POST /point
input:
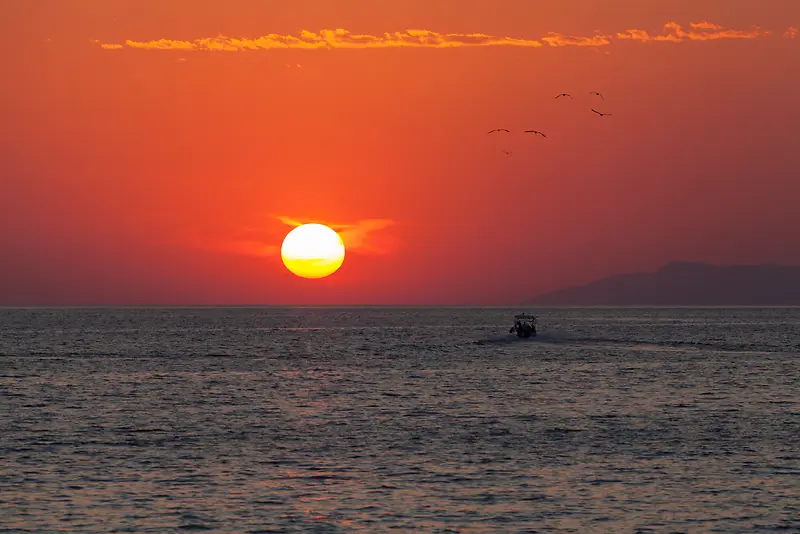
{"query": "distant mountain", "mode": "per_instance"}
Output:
(687, 284)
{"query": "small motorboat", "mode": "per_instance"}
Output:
(524, 325)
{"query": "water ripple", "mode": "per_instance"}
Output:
(283, 420)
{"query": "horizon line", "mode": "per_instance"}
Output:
(390, 306)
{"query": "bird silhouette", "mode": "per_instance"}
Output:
(601, 114)
(537, 132)
(563, 94)
(498, 130)
(506, 152)
(598, 94)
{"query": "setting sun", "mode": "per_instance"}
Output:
(312, 251)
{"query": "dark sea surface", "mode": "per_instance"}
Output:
(414, 420)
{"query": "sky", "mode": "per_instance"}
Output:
(156, 152)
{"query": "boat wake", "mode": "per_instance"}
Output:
(647, 345)
(544, 337)
(653, 340)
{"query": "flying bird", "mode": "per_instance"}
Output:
(563, 94)
(537, 132)
(601, 114)
(598, 94)
(506, 152)
(498, 130)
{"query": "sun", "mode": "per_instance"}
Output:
(312, 251)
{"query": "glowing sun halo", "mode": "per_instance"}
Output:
(312, 251)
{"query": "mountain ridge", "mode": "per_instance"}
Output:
(686, 283)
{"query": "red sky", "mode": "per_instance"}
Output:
(134, 175)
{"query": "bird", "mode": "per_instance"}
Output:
(498, 130)
(601, 114)
(563, 94)
(598, 94)
(537, 132)
(506, 152)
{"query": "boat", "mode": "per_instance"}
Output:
(524, 325)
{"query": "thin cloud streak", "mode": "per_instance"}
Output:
(356, 236)
(674, 32)
(255, 242)
(331, 39)
(343, 39)
(557, 39)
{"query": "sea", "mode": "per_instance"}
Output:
(257, 420)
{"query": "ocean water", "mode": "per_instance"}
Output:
(410, 420)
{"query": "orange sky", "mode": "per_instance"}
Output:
(138, 167)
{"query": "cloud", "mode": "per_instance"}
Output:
(700, 31)
(265, 242)
(330, 39)
(556, 39)
(343, 39)
(791, 33)
(356, 236)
